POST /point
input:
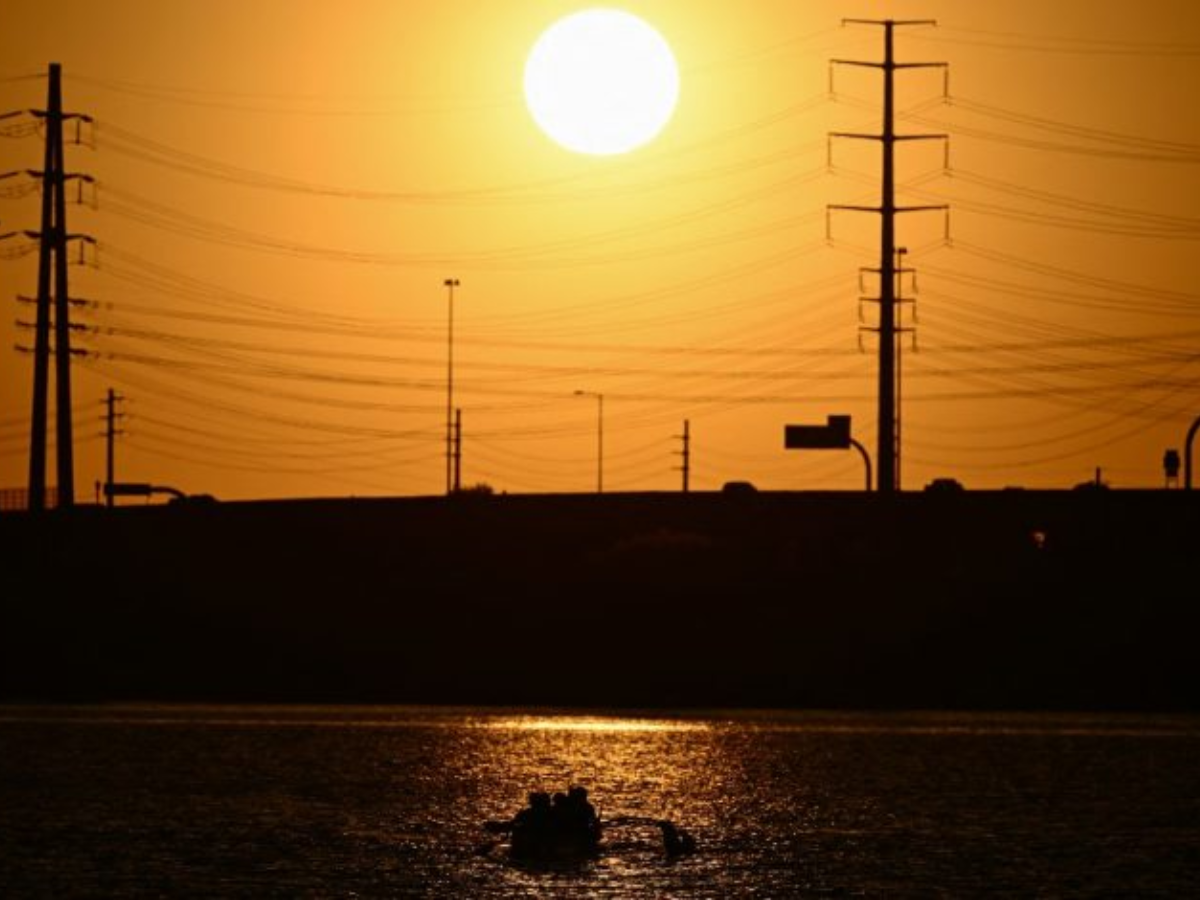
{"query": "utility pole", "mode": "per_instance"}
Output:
(599, 436)
(110, 434)
(901, 329)
(886, 450)
(52, 263)
(457, 450)
(686, 454)
(450, 284)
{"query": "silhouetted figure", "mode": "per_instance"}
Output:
(560, 812)
(676, 841)
(564, 826)
(580, 812)
(537, 817)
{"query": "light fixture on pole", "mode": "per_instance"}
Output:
(451, 284)
(599, 436)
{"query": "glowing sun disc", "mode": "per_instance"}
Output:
(601, 81)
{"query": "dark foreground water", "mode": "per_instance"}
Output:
(165, 801)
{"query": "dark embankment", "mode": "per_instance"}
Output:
(1015, 599)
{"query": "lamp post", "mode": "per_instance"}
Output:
(899, 418)
(599, 436)
(451, 284)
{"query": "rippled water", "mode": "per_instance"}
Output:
(136, 801)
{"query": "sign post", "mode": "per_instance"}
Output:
(833, 435)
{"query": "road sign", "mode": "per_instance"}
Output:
(835, 435)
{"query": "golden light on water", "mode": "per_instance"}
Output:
(594, 724)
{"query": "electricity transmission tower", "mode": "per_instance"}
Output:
(53, 303)
(887, 455)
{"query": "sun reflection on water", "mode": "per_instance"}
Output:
(593, 724)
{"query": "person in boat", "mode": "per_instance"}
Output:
(559, 810)
(565, 825)
(580, 811)
(573, 814)
(676, 841)
(537, 817)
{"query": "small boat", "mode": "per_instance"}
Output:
(556, 844)
(565, 827)
(545, 839)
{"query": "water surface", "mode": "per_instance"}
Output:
(234, 801)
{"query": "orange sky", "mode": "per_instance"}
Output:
(283, 187)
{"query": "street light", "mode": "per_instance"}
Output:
(900, 254)
(599, 437)
(451, 284)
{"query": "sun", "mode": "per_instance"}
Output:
(601, 81)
